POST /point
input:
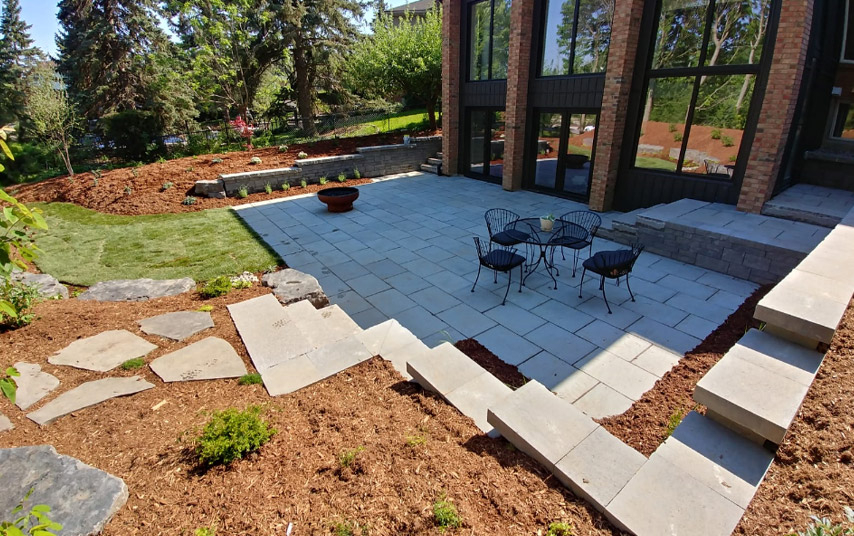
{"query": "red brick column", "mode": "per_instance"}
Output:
(615, 102)
(451, 57)
(518, 73)
(778, 106)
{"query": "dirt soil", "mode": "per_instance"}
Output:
(507, 373)
(416, 446)
(656, 133)
(139, 190)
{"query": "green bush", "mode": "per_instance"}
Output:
(268, 188)
(250, 379)
(726, 141)
(165, 186)
(8, 385)
(559, 529)
(216, 160)
(243, 192)
(219, 286)
(34, 523)
(356, 174)
(824, 527)
(286, 186)
(671, 127)
(189, 200)
(32, 162)
(283, 148)
(445, 514)
(255, 160)
(303, 183)
(302, 155)
(677, 136)
(135, 134)
(346, 458)
(322, 180)
(342, 177)
(21, 298)
(231, 434)
(716, 134)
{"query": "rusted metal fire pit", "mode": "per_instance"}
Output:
(339, 199)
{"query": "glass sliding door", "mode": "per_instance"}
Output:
(485, 144)
(563, 162)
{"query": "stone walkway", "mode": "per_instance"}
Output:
(406, 252)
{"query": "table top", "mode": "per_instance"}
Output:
(537, 236)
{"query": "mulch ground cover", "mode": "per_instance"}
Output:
(414, 446)
(140, 190)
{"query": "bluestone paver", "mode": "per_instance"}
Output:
(33, 384)
(509, 348)
(102, 352)
(443, 369)
(268, 331)
(603, 401)
(656, 360)
(5, 423)
(86, 395)
(466, 320)
(696, 326)
(664, 336)
(474, 398)
(178, 325)
(617, 373)
(515, 318)
(336, 356)
(291, 375)
(616, 341)
(560, 343)
(208, 359)
(809, 316)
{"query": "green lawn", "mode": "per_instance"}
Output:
(409, 119)
(649, 162)
(82, 247)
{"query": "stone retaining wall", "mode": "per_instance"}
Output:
(370, 161)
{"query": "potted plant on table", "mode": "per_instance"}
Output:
(547, 222)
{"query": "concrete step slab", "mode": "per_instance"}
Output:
(33, 384)
(434, 161)
(336, 324)
(291, 375)
(443, 369)
(102, 352)
(540, 424)
(339, 355)
(86, 395)
(399, 357)
(429, 168)
(663, 499)
(721, 459)
(474, 398)
(754, 393)
(809, 318)
(269, 333)
(208, 359)
(599, 467)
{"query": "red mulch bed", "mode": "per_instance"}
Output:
(416, 446)
(146, 195)
(480, 354)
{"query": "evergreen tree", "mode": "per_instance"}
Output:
(114, 57)
(17, 56)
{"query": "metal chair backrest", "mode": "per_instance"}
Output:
(584, 218)
(498, 219)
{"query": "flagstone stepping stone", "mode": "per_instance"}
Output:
(33, 384)
(86, 395)
(207, 359)
(81, 498)
(291, 286)
(177, 326)
(102, 352)
(5, 424)
(137, 289)
(49, 286)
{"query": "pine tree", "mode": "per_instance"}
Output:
(17, 56)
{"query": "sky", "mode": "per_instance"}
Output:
(41, 14)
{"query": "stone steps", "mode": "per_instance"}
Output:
(433, 164)
(758, 386)
(429, 168)
(434, 161)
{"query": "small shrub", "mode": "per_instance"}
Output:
(189, 200)
(342, 177)
(346, 458)
(303, 183)
(240, 283)
(135, 172)
(286, 186)
(322, 180)
(445, 514)
(268, 188)
(21, 298)
(97, 173)
(301, 155)
(255, 160)
(231, 434)
(824, 527)
(133, 364)
(415, 440)
(161, 160)
(673, 421)
(166, 185)
(559, 529)
(204, 531)
(727, 141)
(716, 134)
(218, 286)
(250, 379)
(205, 309)
(671, 128)
(128, 190)
(189, 169)
(216, 161)
(357, 174)
(34, 523)
(677, 136)
(243, 192)
(8, 385)
(283, 148)
(732, 158)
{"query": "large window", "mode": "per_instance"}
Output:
(700, 85)
(486, 143)
(489, 39)
(576, 36)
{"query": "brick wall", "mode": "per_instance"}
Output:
(451, 56)
(615, 102)
(778, 106)
(518, 73)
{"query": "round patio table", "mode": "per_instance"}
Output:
(563, 230)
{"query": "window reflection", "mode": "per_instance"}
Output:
(500, 38)
(663, 125)
(489, 35)
(576, 36)
(548, 144)
(479, 49)
(680, 33)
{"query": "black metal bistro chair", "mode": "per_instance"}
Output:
(499, 259)
(611, 265)
(500, 224)
(576, 231)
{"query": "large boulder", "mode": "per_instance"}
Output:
(49, 286)
(137, 289)
(291, 286)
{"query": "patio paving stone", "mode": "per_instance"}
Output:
(560, 343)
(550, 371)
(508, 347)
(616, 341)
(350, 301)
(391, 301)
(603, 401)
(619, 316)
(435, 299)
(667, 315)
(420, 321)
(696, 326)
(369, 317)
(422, 268)
(385, 268)
(102, 352)
(449, 281)
(656, 360)
(466, 320)
(617, 373)
(408, 283)
(368, 284)
(728, 300)
(701, 308)
(559, 314)
(692, 288)
(515, 318)
(664, 335)
(348, 270)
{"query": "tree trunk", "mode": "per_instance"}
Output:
(66, 158)
(647, 109)
(743, 93)
(305, 103)
(431, 113)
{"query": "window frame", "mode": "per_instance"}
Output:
(469, 57)
(697, 73)
(845, 30)
(542, 43)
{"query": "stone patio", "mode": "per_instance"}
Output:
(406, 252)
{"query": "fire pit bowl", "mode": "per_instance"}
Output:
(339, 199)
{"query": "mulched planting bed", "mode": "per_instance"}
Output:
(416, 446)
(139, 190)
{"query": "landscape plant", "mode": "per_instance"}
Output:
(268, 188)
(342, 178)
(347, 457)
(250, 379)
(231, 434)
(133, 364)
(166, 185)
(716, 134)
(243, 192)
(303, 183)
(51, 116)
(559, 528)
(445, 513)
(8, 385)
(825, 527)
(21, 297)
(727, 141)
(189, 200)
(286, 186)
(254, 160)
(36, 522)
(302, 155)
(322, 180)
(216, 287)
(356, 174)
